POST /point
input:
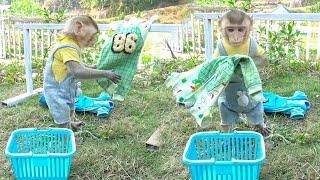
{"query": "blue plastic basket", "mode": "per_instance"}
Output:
(41, 154)
(215, 155)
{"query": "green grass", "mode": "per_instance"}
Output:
(114, 148)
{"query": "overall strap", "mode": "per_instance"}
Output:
(48, 74)
(253, 47)
(221, 49)
(63, 45)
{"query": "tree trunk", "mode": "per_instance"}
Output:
(295, 3)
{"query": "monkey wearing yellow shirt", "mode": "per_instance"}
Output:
(64, 66)
(235, 27)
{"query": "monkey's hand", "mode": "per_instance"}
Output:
(260, 61)
(79, 71)
(113, 76)
(263, 129)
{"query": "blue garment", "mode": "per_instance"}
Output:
(101, 105)
(295, 106)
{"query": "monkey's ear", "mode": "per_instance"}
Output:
(77, 27)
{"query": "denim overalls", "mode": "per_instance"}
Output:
(60, 97)
(228, 105)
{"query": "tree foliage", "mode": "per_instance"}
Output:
(24, 8)
(124, 6)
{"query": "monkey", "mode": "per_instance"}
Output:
(235, 27)
(64, 66)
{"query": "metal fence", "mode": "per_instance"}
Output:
(11, 38)
(201, 31)
(199, 34)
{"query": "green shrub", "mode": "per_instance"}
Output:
(245, 5)
(186, 46)
(123, 7)
(315, 8)
(50, 16)
(25, 8)
(282, 44)
(92, 3)
(12, 72)
(146, 58)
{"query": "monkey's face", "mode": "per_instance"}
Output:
(86, 36)
(236, 34)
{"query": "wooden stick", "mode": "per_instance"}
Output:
(154, 142)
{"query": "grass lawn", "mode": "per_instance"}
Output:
(114, 148)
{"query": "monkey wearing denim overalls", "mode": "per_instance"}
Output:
(235, 27)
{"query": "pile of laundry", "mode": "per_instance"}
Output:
(295, 106)
(101, 106)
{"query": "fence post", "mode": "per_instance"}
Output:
(208, 38)
(36, 44)
(267, 34)
(297, 51)
(27, 58)
(212, 35)
(309, 31)
(9, 41)
(181, 34)
(14, 41)
(19, 43)
(192, 34)
(175, 40)
(318, 46)
(199, 36)
(1, 35)
(42, 44)
(186, 32)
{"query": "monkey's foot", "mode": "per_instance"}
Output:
(75, 126)
(263, 129)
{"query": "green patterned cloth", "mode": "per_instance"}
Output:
(202, 85)
(121, 54)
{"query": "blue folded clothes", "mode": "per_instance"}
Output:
(295, 106)
(102, 105)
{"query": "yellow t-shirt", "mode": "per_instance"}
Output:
(242, 49)
(63, 55)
